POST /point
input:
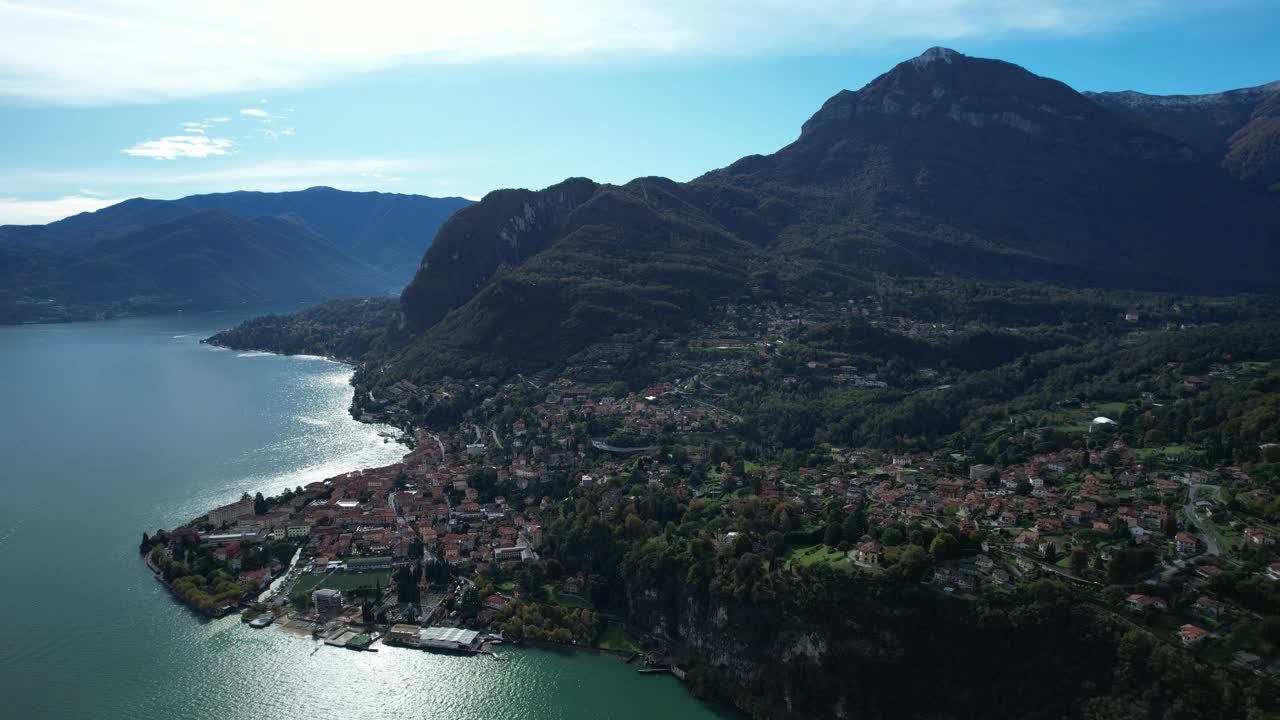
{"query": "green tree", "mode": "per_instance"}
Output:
(943, 547)
(1079, 561)
(831, 537)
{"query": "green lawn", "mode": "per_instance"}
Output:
(815, 554)
(343, 581)
(1178, 450)
(1112, 410)
(613, 637)
(555, 597)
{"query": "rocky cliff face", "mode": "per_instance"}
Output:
(832, 649)
(480, 242)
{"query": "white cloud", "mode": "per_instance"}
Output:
(38, 212)
(94, 52)
(150, 179)
(255, 112)
(176, 146)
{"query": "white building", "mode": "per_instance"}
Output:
(447, 638)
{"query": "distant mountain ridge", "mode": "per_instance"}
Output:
(213, 251)
(945, 165)
(386, 230)
(1238, 129)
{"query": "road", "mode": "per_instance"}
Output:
(1189, 510)
(602, 445)
(438, 443)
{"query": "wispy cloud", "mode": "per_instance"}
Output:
(38, 212)
(148, 179)
(180, 146)
(257, 113)
(88, 52)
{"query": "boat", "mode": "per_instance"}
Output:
(261, 621)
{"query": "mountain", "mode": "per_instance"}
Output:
(386, 230)
(1239, 129)
(207, 259)
(946, 165)
(124, 258)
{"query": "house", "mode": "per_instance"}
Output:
(982, 473)
(1257, 537)
(259, 577)
(1146, 602)
(1210, 608)
(1186, 544)
(1192, 635)
(1025, 565)
(1246, 660)
(984, 563)
(1048, 525)
(868, 554)
(1273, 571)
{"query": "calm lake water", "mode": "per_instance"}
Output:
(115, 427)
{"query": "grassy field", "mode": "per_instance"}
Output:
(1112, 410)
(613, 637)
(815, 554)
(555, 597)
(1176, 450)
(343, 581)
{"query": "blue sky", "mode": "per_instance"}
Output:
(101, 101)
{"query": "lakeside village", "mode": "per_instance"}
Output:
(444, 550)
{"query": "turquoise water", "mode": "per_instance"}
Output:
(115, 427)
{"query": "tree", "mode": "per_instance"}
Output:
(912, 562)
(1079, 561)
(831, 537)
(892, 536)
(853, 527)
(943, 546)
(259, 504)
(1170, 525)
(716, 454)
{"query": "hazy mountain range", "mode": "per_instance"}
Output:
(216, 251)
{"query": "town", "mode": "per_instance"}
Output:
(447, 549)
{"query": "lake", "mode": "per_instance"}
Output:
(117, 427)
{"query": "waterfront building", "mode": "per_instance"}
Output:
(447, 638)
(229, 513)
(327, 601)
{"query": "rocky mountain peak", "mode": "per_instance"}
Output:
(947, 87)
(935, 54)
